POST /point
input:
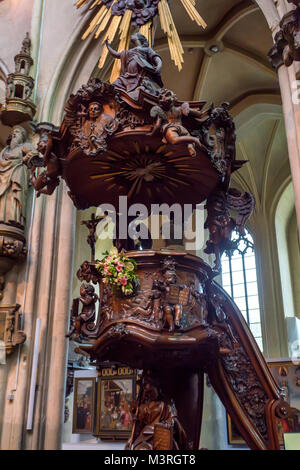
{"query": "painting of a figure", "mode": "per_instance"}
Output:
(83, 416)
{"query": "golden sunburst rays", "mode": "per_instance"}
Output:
(143, 168)
(108, 24)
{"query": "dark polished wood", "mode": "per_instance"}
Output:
(132, 138)
(211, 336)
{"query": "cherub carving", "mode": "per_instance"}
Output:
(169, 122)
(47, 181)
(88, 298)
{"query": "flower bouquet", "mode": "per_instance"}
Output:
(118, 271)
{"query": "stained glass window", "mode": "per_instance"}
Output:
(240, 281)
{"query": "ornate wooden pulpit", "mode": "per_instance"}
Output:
(134, 138)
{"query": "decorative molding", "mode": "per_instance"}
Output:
(9, 328)
(19, 85)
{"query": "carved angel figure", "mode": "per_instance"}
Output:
(169, 122)
(47, 181)
(88, 298)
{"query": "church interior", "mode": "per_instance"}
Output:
(160, 119)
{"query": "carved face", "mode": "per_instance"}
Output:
(86, 289)
(167, 99)
(94, 110)
(18, 136)
(42, 143)
(135, 41)
(150, 392)
(170, 278)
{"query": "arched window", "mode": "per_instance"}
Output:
(239, 280)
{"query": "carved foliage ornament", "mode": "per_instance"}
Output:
(247, 387)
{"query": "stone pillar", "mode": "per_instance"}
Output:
(42, 306)
(59, 344)
(292, 128)
(19, 370)
(291, 109)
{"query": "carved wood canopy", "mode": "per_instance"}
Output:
(107, 147)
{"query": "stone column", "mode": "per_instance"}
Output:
(291, 109)
(19, 370)
(59, 344)
(292, 128)
(42, 306)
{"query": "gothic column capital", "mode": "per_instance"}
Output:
(286, 49)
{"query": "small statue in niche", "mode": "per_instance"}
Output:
(156, 303)
(10, 87)
(173, 296)
(14, 177)
(47, 181)
(200, 304)
(96, 127)
(10, 323)
(156, 424)
(88, 298)
(169, 122)
(28, 90)
(140, 66)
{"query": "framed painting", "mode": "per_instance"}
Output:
(233, 435)
(84, 405)
(116, 391)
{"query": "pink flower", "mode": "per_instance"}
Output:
(123, 280)
(107, 271)
(109, 258)
(118, 268)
